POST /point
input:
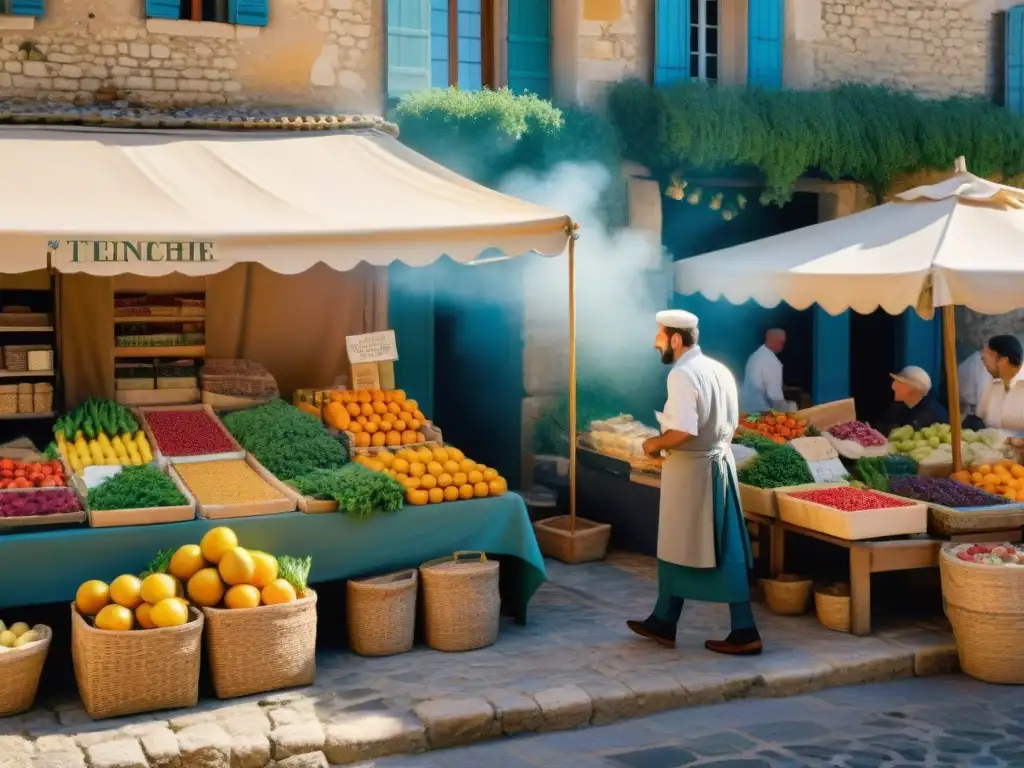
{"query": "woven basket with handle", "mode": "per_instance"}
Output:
(20, 669)
(787, 595)
(381, 613)
(461, 602)
(267, 648)
(832, 604)
(126, 673)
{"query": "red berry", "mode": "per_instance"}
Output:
(188, 433)
(850, 499)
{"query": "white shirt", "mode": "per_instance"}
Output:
(762, 383)
(973, 380)
(680, 411)
(1003, 408)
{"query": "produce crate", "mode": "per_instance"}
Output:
(288, 502)
(829, 414)
(156, 397)
(853, 526)
(764, 502)
(180, 382)
(237, 453)
(952, 521)
(231, 403)
(433, 435)
(25, 524)
(110, 518)
(25, 320)
(312, 506)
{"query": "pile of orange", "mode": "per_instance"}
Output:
(433, 474)
(1004, 478)
(376, 417)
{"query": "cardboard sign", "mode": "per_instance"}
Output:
(378, 347)
(828, 471)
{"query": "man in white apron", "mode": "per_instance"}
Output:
(703, 547)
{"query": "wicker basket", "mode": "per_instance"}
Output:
(42, 398)
(285, 635)
(20, 669)
(126, 673)
(944, 521)
(787, 595)
(10, 319)
(381, 613)
(587, 544)
(985, 605)
(461, 603)
(16, 358)
(40, 359)
(832, 604)
(8, 399)
(25, 398)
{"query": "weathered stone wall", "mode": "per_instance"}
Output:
(315, 53)
(934, 47)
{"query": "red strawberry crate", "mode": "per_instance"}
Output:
(853, 513)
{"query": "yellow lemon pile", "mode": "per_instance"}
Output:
(129, 602)
(433, 474)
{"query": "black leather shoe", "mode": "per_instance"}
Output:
(744, 642)
(655, 629)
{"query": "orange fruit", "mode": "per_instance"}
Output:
(428, 482)
(386, 426)
(400, 465)
(435, 495)
(467, 465)
(497, 486)
(489, 474)
(411, 405)
(444, 480)
(977, 478)
(264, 568)
(403, 479)
(409, 437)
(398, 425)
(380, 407)
(418, 414)
(243, 596)
(466, 492)
(364, 396)
(355, 427)
(237, 567)
(353, 409)
(216, 542)
(417, 497)
(480, 490)
(393, 439)
(455, 454)
(417, 470)
(451, 493)
(412, 483)
(440, 455)
(126, 591)
(371, 428)
(363, 440)
(460, 479)
(115, 618)
(377, 396)
(450, 466)
(398, 395)
(366, 410)
(404, 415)
(415, 424)
(92, 597)
(171, 612)
(278, 591)
(435, 468)
(474, 477)
(394, 408)
(378, 440)
(426, 455)
(186, 562)
(157, 587)
(205, 589)
(142, 616)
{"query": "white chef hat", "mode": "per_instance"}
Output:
(677, 318)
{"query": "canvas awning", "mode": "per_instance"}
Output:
(150, 202)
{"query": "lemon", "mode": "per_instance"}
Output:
(489, 475)
(236, 567)
(451, 493)
(92, 597)
(157, 587)
(455, 454)
(187, 562)
(242, 596)
(142, 616)
(216, 542)
(114, 618)
(8, 639)
(497, 486)
(266, 569)
(205, 588)
(278, 591)
(19, 628)
(126, 591)
(29, 637)
(169, 613)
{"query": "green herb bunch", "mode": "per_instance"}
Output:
(776, 468)
(358, 490)
(135, 488)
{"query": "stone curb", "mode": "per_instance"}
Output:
(282, 731)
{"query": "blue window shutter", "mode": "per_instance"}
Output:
(438, 43)
(765, 33)
(1014, 85)
(26, 7)
(162, 9)
(831, 343)
(471, 52)
(672, 42)
(529, 46)
(408, 46)
(251, 13)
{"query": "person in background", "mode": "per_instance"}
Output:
(704, 551)
(762, 380)
(973, 379)
(1002, 404)
(914, 404)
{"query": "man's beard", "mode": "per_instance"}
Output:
(667, 356)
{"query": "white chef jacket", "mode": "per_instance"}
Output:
(680, 411)
(1003, 408)
(762, 383)
(973, 379)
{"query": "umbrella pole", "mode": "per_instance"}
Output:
(572, 378)
(952, 383)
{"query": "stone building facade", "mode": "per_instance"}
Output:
(313, 53)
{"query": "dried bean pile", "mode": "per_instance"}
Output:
(850, 499)
(226, 482)
(188, 433)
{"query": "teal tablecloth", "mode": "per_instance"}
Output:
(47, 567)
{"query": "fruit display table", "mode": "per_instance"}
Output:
(47, 567)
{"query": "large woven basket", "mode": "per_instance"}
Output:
(126, 673)
(832, 605)
(787, 595)
(8, 399)
(461, 602)
(254, 650)
(985, 605)
(381, 613)
(589, 542)
(20, 669)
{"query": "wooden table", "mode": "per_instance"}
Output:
(867, 557)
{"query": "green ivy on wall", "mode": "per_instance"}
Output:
(861, 133)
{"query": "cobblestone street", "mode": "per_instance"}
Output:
(942, 721)
(575, 664)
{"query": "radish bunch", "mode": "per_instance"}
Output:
(858, 432)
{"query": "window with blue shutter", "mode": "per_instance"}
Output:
(1013, 96)
(27, 7)
(471, 51)
(529, 46)
(764, 43)
(438, 43)
(672, 42)
(252, 13)
(409, 59)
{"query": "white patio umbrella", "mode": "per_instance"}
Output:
(960, 241)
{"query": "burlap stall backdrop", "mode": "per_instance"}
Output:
(294, 324)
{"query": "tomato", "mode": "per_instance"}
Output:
(19, 473)
(46, 470)
(49, 482)
(6, 464)
(3, 484)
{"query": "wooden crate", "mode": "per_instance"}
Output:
(764, 501)
(237, 453)
(111, 518)
(288, 502)
(853, 526)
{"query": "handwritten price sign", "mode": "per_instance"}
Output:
(378, 347)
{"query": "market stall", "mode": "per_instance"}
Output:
(240, 210)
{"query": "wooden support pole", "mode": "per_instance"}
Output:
(952, 383)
